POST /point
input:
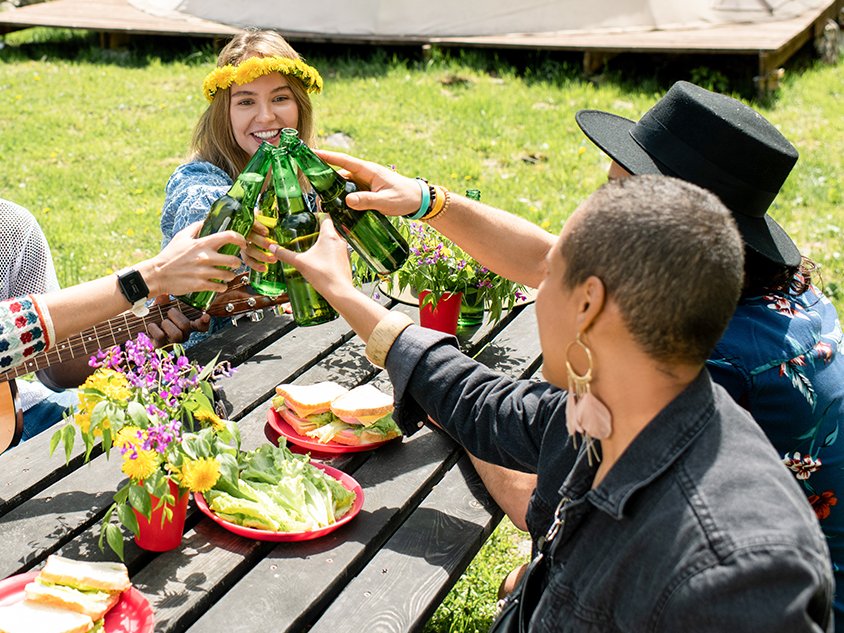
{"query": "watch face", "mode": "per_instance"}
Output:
(133, 286)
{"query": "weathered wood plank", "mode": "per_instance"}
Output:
(411, 574)
(93, 485)
(296, 580)
(110, 15)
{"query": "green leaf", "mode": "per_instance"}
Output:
(68, 436)
(122, 494)
(138, 414)
(139, 499)
(127, 517)
(115, 539)
(55, 439)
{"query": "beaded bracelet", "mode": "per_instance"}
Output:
(437, 212)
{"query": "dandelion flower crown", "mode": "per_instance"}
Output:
(250, 69)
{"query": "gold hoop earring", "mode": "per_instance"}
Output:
(585, 413)
(579, 384)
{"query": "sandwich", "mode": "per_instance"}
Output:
(306, 407)
(91, 589)
(328, 412)
(363, 415)
(31, 617)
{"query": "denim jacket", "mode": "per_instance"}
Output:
(697, 527)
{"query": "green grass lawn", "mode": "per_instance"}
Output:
(88, 139)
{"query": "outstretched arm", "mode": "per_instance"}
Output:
(185, 265)
(506, 244)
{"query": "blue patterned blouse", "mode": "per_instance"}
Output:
(781, 358)
(189, 194)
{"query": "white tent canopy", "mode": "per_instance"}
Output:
(450, 18)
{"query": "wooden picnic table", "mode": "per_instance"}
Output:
(425, 513)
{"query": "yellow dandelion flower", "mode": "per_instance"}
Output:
(142, 466)
(200, 475)
(209, 417)
(252, 68)
(83, 420)
(128, 437)
(581, 150)
(112, 383)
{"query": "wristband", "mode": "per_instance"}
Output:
(426, 200)
(384, 335)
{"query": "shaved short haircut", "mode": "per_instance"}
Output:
(669, 255)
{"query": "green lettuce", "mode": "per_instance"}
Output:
(281, 491)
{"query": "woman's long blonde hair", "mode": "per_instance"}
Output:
(213, 138)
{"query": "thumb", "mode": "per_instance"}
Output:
(362, 200)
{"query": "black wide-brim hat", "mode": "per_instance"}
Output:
(715, 142)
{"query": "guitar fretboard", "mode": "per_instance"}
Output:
(106, 334)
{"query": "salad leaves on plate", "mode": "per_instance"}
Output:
(277, 490)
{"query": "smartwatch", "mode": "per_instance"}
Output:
(135, 289)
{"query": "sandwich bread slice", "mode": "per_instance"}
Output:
(31, 617)
(90, 588)
(364, 416)
(362, 405)
(306, 407)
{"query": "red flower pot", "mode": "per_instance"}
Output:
(443, 316)
(154, 536)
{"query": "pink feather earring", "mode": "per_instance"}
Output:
(585, 413)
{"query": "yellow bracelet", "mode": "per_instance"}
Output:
(439, 214)
(438, 203)
(384, 335)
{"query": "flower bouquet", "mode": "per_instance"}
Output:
(442, 268)
(156, 408)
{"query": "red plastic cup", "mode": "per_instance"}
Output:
(154, 536)
(444, 316)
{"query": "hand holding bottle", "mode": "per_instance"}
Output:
(190, 264)
(325, 265)
(389, 192)
(257, 253)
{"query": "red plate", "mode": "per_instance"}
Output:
(131, 614)
(266, 535)
(280, 426)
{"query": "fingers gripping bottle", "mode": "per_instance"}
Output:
(233, 211)
(371, 234)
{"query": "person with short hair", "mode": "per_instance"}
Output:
(780, 356)
(662, 505)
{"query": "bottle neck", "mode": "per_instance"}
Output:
(325, 181)
(287, 190)
(247, 186)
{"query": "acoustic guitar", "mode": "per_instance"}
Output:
(237, 300)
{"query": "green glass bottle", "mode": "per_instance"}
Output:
(371, 234)
(234, 211)
(297, 230)
(472, 305)
(270, 283)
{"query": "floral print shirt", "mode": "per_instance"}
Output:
(781, 359)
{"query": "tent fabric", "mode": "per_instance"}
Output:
(446, 18)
